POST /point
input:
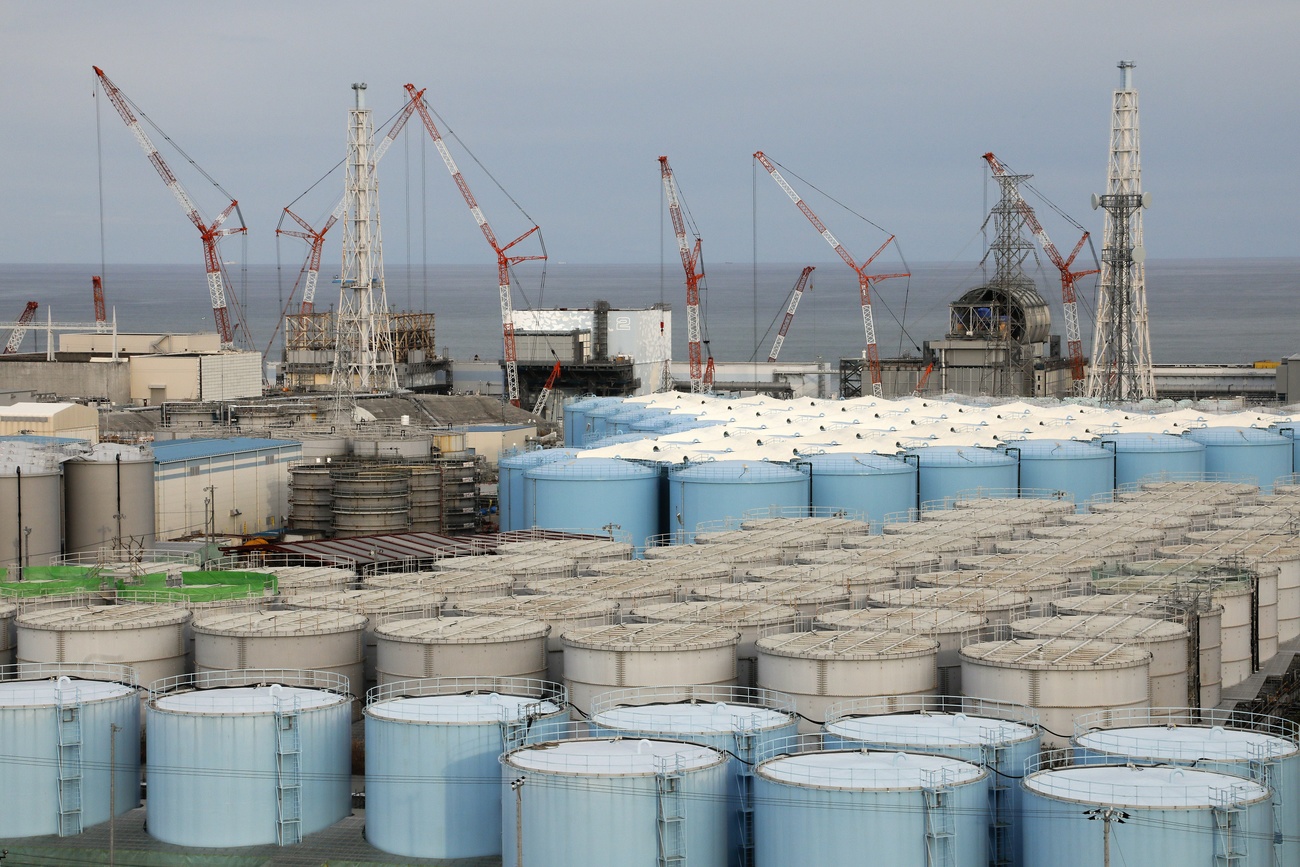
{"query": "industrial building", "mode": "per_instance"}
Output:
(238, 485)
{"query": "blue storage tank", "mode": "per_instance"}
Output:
(997, 735)
(45, 704)
(737, 720)
(598, 802)
(944, 471)
(1170, 815)
(591, 493)
(1288, 430)
(875, 485)
(715, 490)
(616, 439)
(1229, 742)
(510, 482)
(623, 421)
(1082, 470)
(653, 420)
(432, 750)
(834, 806)
(1245, 453)
(232, 763)
(1141, 456)
(575, 417)
(599, 420)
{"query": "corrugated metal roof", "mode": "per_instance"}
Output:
(366, 550)
(186, 450)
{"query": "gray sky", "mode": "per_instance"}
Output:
(886, 106)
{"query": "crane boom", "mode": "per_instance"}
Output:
(20, 329)
(694, 279)
(210, 233)
(504, 261)
(97, 291)
(864, 279)
(1069, 302)
(795, 296)
(547, 389)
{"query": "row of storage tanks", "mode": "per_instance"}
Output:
(706, 775)
(1200, 583)
(651, 501)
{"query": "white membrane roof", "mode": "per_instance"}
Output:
(1186, 743)
(863, 770)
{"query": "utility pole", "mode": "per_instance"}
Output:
(517, 786)
(210, 514)
(1107, 816)
(113, 729)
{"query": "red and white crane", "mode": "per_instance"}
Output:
(1068, 297)
(101, 313)
(504, 261)
(20, 329)
(864, 279)
(795, 297)
(701, 379)
(547, 389)
(210, 233)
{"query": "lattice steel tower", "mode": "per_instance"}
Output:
(1121, 354)
(363, 350)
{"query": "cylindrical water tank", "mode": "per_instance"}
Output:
(477, 646)
(108, 498)
(943, 472)
(808, 597)
(875, 485)
(60, 725)
(829, 806)
(614, 803)
(742, 722)
(426, 514)
(1146, 456)
(1245, 454)
(248, 758)
(751, 620)
(575, 417)
(716, 490)
(31, 517)
(560, 613)
(455, 588)
(996, 604)
(149, 638)
(1231, 742)
(432, 749)
(1169, 815)
(1256, 553)
(1041, 586)
(997, 735)
(587, 554)
(603, 658)
(626, 590)
(326, 641)
(600, 422)
(311, 497)
(592, 494)
(948, 626)
(368, 501)
(824, 667)
(1048, 466)
(1061, 678)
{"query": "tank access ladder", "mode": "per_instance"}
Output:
(995, 756)
(671, 818)
(1264, 769)
(745, 742)
(68, 707)
(288, 770)
(940, 834)
(1230, 832)
(514, 732)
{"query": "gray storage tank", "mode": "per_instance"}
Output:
(31, 516)
(109, 498)
(149, 638)
(248, 758)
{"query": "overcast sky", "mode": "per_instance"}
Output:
(885, 106)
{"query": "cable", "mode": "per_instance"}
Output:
(99, 153)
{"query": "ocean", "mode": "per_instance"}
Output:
(1213, 311)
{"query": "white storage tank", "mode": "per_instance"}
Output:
(113, 480)
(626, 590)
(560, 613)
(71, 738)
(1169, 816)
(840, 806)
(1060, 678)
(998, 736)
(751, 620)
(824, 667)
(1257, 552)
(743, 722)
(149, 638)
(1040, 586)
(948, 626)
(432, 750)
(599, 659)
(602, 802)
(327, 641)
(586, 553)
(248, 758)
(475, 646)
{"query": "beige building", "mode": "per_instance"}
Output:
(50, 420)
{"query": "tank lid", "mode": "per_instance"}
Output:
(858, 464)
(1187, 743)
(475, 629)
(869, 770)
(736, 472)
(92, 618)
(731, 613)
(699, 718)
(789, 592)
(1137, 786)
(670, 568)
(513, 564)
(925, 621)
(616, 756)
(847, 644)
(576, 548)
(1006, 578)
(969, 599)
(1056, 653)
(606, 586)
(590, 469)
(1058, 449)
(300, 622)
(268, 699)
(543, 606)
(368, 601)
(476, 708)
(930, 730)
(1112, 627)
(651, 637)
(43, 693)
